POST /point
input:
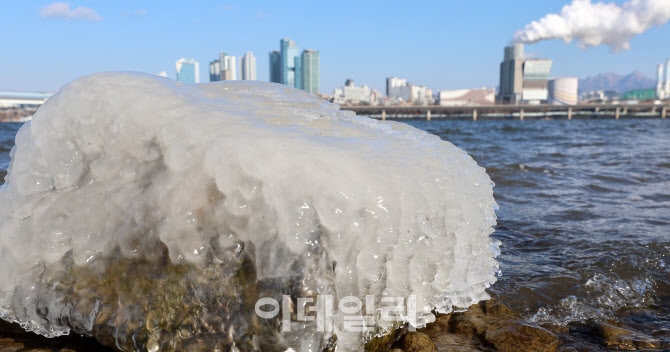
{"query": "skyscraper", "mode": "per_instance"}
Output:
(188, 71)
(667, 78)
(288, 66)
(248, 66)
(225, 68)
(215, 71)
(310, 71)
(289, 52)
(275, 67)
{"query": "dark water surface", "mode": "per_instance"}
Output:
(584, 215)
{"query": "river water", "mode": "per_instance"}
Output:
(584, 215)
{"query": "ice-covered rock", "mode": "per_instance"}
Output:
(152, 214)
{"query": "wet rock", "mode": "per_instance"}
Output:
(521, 338)
(416, 342)
(622, 338)
(486, 325)
(384, 342)
(456, 343)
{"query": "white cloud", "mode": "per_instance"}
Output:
(141, 12)
(63, 10)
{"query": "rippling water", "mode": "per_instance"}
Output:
(584, 214)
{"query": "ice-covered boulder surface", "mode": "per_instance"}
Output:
(153, 214)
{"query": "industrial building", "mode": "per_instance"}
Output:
(523, 80)
(463, 97)
(563, 91)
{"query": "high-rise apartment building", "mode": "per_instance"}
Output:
(310, 71)
(248, 66)
(287, 66)
(223, 69)
(290, 56)
(275, 67)
(188, 71)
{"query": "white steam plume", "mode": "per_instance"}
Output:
(593, 24)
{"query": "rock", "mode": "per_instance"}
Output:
(396, 350)
(455, 343)
(416, 342)
(489, 324)
(10, 345)
(384, 342)
(521, 337)
(622, 338)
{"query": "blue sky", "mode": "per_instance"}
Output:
(441, 44)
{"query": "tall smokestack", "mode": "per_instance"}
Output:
(593, 24)
(659, 82)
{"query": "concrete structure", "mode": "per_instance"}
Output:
(310, 71)
(511, 75)
(188, 71)
(463, 97)
(660, 93)
(22, 99)
(350, 94)
(275, 66)
(248, 67)
(521, 112)
(563, 91)
(667, 78)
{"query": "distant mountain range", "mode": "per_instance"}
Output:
(613, 81)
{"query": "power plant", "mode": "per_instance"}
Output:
(523, 80)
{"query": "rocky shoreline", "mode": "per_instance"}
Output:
(487, 326)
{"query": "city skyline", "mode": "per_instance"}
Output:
(431, 50)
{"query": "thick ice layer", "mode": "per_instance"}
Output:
(121, 166)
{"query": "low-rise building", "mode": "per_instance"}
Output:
(350, 94)
(462, 97)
